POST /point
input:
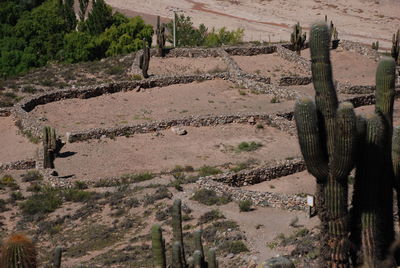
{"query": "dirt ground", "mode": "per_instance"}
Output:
(269, 65)
(171, 66)
(350, 67)
(13, 145)
(216, 97)
(364, 21)
(212, 146)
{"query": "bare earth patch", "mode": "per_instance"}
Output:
(163, 151)
(350, 67)
(269, 65)
(171, 66)
(13, 145)
(216, 97)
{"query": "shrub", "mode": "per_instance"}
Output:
(46, 201)
(234, 247)
(248, 146)
(31, 175)
(76, 195)
(138, 177)
(210, 197)
(245, 205)
(207, 171)
(81, 185)
(210, 216)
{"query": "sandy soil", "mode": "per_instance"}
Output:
(350, 67)
(359, 20)
(270, 65)
(147, 152)
(168, 66)
(14, 146)
(176, 101)
(297, 183)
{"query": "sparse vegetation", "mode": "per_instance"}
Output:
(207, 171)
(210, 197)
(248, 146)
(245, 205)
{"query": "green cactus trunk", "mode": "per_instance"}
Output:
(49, 147)
(18, 252)
(160, 32)
(57, 257)
(212, 259)
(177, 227)
(177, 255)
(396, 47)
(158, 247)
(145, 59)
(327, 134)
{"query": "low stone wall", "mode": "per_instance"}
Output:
(257, 175)
(18, 165)
(194, 121)
(295, 80)
(5, 112)
(265, 199)
(250, 51)
(292, 56)
(361, 49)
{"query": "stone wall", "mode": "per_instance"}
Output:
(18, 165)
(5, 112)
(295, 80)
(361, 49)
(292, 56)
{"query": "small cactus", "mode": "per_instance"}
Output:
(57, 257)
(160, 32)
(298, 38)
(18, 252)
(375, 45)
(396, 47)
(145, 59)
(158, 247)
(177, 226)
(49, 146)
(212, 259)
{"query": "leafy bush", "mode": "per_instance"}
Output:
(31, 175)
(76, 195)
(248, 146)
(210, 197)
(245, 205)
(234, 247)
(138, 177)
(210, 216)
(46, 201)
(207, 171)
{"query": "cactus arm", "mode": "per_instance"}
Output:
(385, 89)
(345, 141)
(325, 93)
(177, 255)
(197, 259)
(177, 227)
(396, 158)
(211, 259)
(158, 248)
(309, 138)
(57, 257)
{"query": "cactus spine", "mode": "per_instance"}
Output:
(145, 59)
(18, 252)
(57, 257)
(49, 146)
(160, 31)
(158, 247)
(326, 132)
(396, 47)
(298, 38)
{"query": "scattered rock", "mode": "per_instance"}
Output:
(251, 120)
(179, 130)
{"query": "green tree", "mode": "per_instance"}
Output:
(99, 18)
(76, 47)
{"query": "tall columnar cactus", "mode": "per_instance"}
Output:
(326, 132)
(49, 146)
(57, 257)
(298, 38)
(18, 252)
(145, 59)
(177, 227)
(160, 32)
(158, 247)
(396, 47)
(372, 214)
(178, 254)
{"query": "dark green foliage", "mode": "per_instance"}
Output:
(177, 228)
(210, 216)
(67, 12)
(83, 5)
(99, 18)
(46, 201)
(298, 38)
(207, 171)
(187, 35)
(18, 251)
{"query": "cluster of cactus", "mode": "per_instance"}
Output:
(298, 38)
(197, 260)
(396, 47)
(375, 45)
(333, 141)
(49, 147)
(160, 32)
(18, 252)
(145, 59)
